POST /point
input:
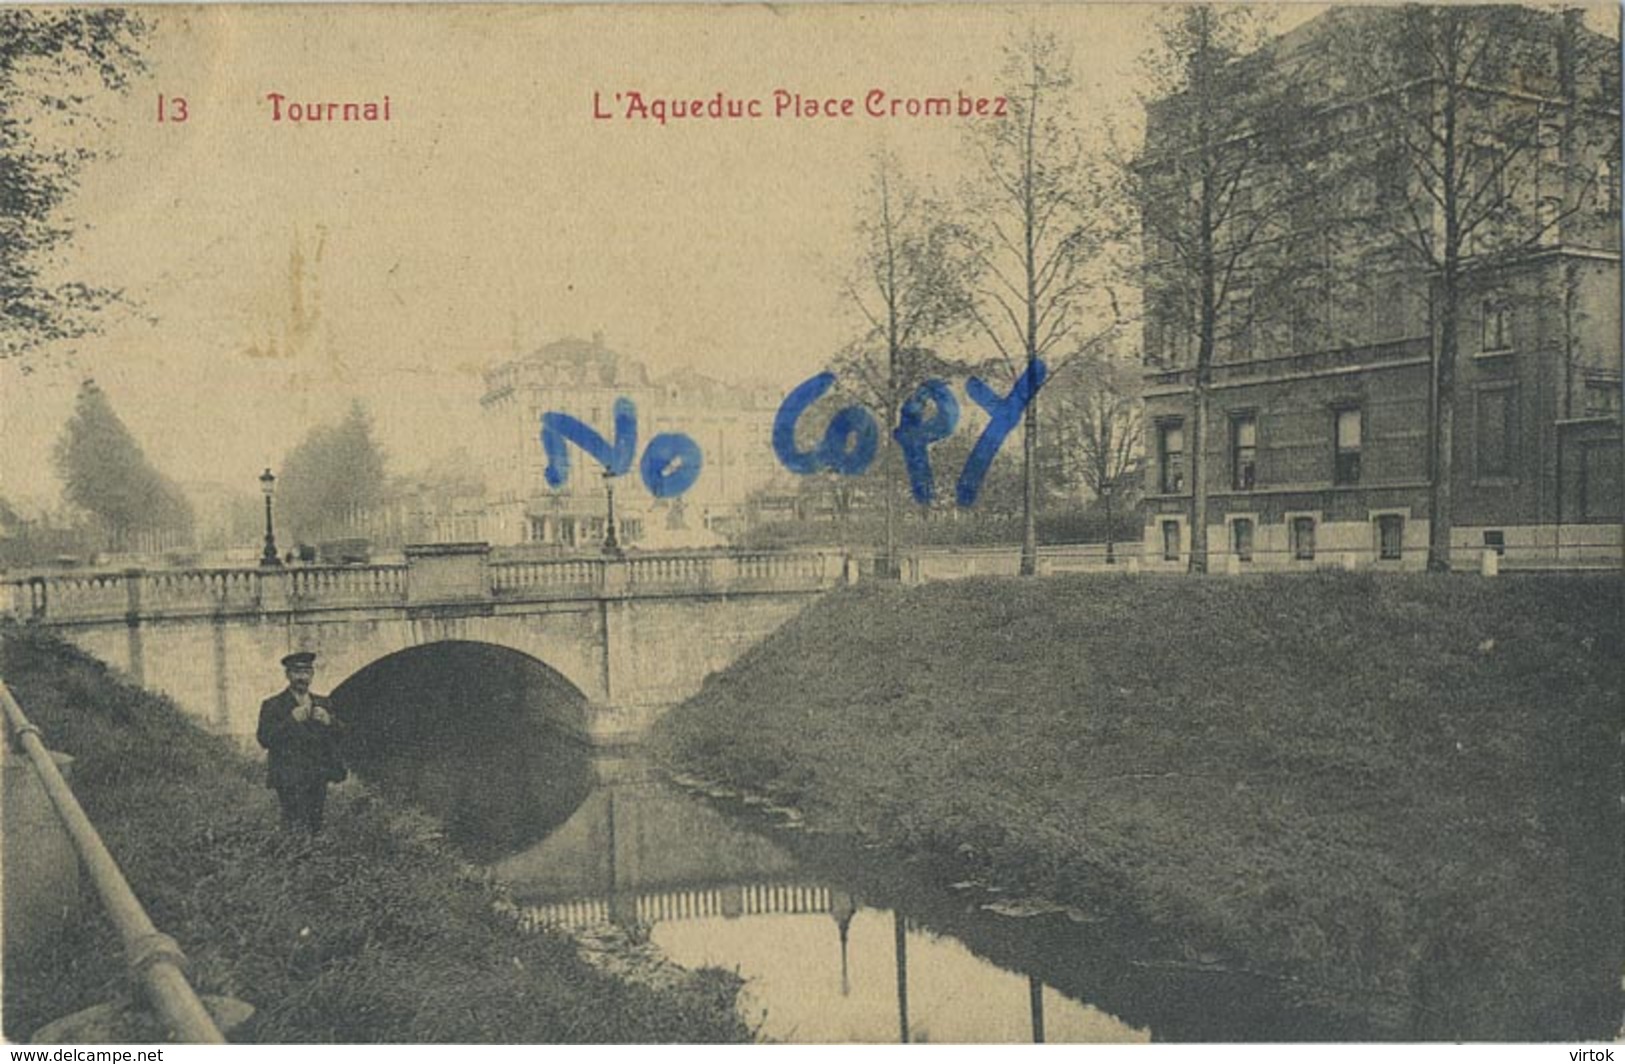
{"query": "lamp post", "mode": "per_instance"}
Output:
(612, 540)
(269, 559)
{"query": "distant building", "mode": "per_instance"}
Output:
(412, 513)
(732, 425)
(1318, 439)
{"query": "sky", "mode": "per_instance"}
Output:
(493, 212)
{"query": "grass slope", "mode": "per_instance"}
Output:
(375, 933)
(1401, 793)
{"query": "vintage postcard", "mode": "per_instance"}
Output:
(962, 523)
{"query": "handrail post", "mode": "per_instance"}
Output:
(154, 959)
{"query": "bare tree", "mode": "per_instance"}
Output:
(1097, 425)
(1038, 222)
(1219, 204)
(909, 287)
(1478, 120)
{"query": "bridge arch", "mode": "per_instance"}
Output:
(481, 736)
(447, 668)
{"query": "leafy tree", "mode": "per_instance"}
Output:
(330, 478)
(1487, 140)
(1037, 222)
(910, 288)
(105, 473)
(1220, 201)
(50, 58)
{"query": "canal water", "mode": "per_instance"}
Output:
(825, 958)
(834, 944)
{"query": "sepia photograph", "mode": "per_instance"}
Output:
(948, 523)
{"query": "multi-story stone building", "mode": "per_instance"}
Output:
(1321, 420)
(731, 424)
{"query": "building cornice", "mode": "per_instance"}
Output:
(1282, 378)
(1295, 489)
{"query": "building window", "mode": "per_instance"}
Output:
(1496, 540)
(1608, 181)
(1602, 493)
(1308, 312)
(1303, 539)
(1390, 537)
(1488, 165)
(1241, 538)
(1346, 431)
(1240, 312)
(1497, 327)
(1243, 451)
(1602, 397)
(1170, 541)
(1494, 422)
(1171, 456)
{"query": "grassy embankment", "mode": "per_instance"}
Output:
(377, 932)
(1400, 794)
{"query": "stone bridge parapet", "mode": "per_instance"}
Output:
(633, 635)
(442, 574)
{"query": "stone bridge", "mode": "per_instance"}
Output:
(633, 635)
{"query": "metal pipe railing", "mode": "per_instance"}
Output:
(154, 959)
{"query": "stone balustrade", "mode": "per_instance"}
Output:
(462, 573)
(185, 591)
(82, 596)
(359, 585)
(555, 578)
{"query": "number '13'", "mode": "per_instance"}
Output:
(172, 108)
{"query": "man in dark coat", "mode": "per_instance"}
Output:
(297, 728)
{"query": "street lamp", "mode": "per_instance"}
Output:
(612, 540)
(269, 559)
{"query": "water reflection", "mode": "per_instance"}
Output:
(835, 946)
(820, 964)
(898, 982)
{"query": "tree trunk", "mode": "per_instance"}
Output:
(1444, 452)
(889, 560)
(1029, 491)
(1198, 463)
(1111, 532)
